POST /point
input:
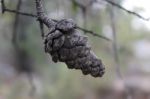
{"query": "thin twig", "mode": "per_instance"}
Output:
(21, 13)
(84, 13)
(48, 21)
(41, 26)
(128, 11)
(24, 13)
(112, 3)
(93, 33)
(4, 9)
(35, 16)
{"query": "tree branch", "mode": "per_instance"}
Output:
(49, 22)
(21, 13)
(128, 11)
(93, 33)
(113, 4)
(84, 12)
(42, 16)
(4, 9)
(45, 19)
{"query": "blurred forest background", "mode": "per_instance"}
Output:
(54, 80)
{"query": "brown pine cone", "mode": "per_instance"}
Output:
(66, 44)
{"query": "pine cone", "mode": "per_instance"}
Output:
(66, 44)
